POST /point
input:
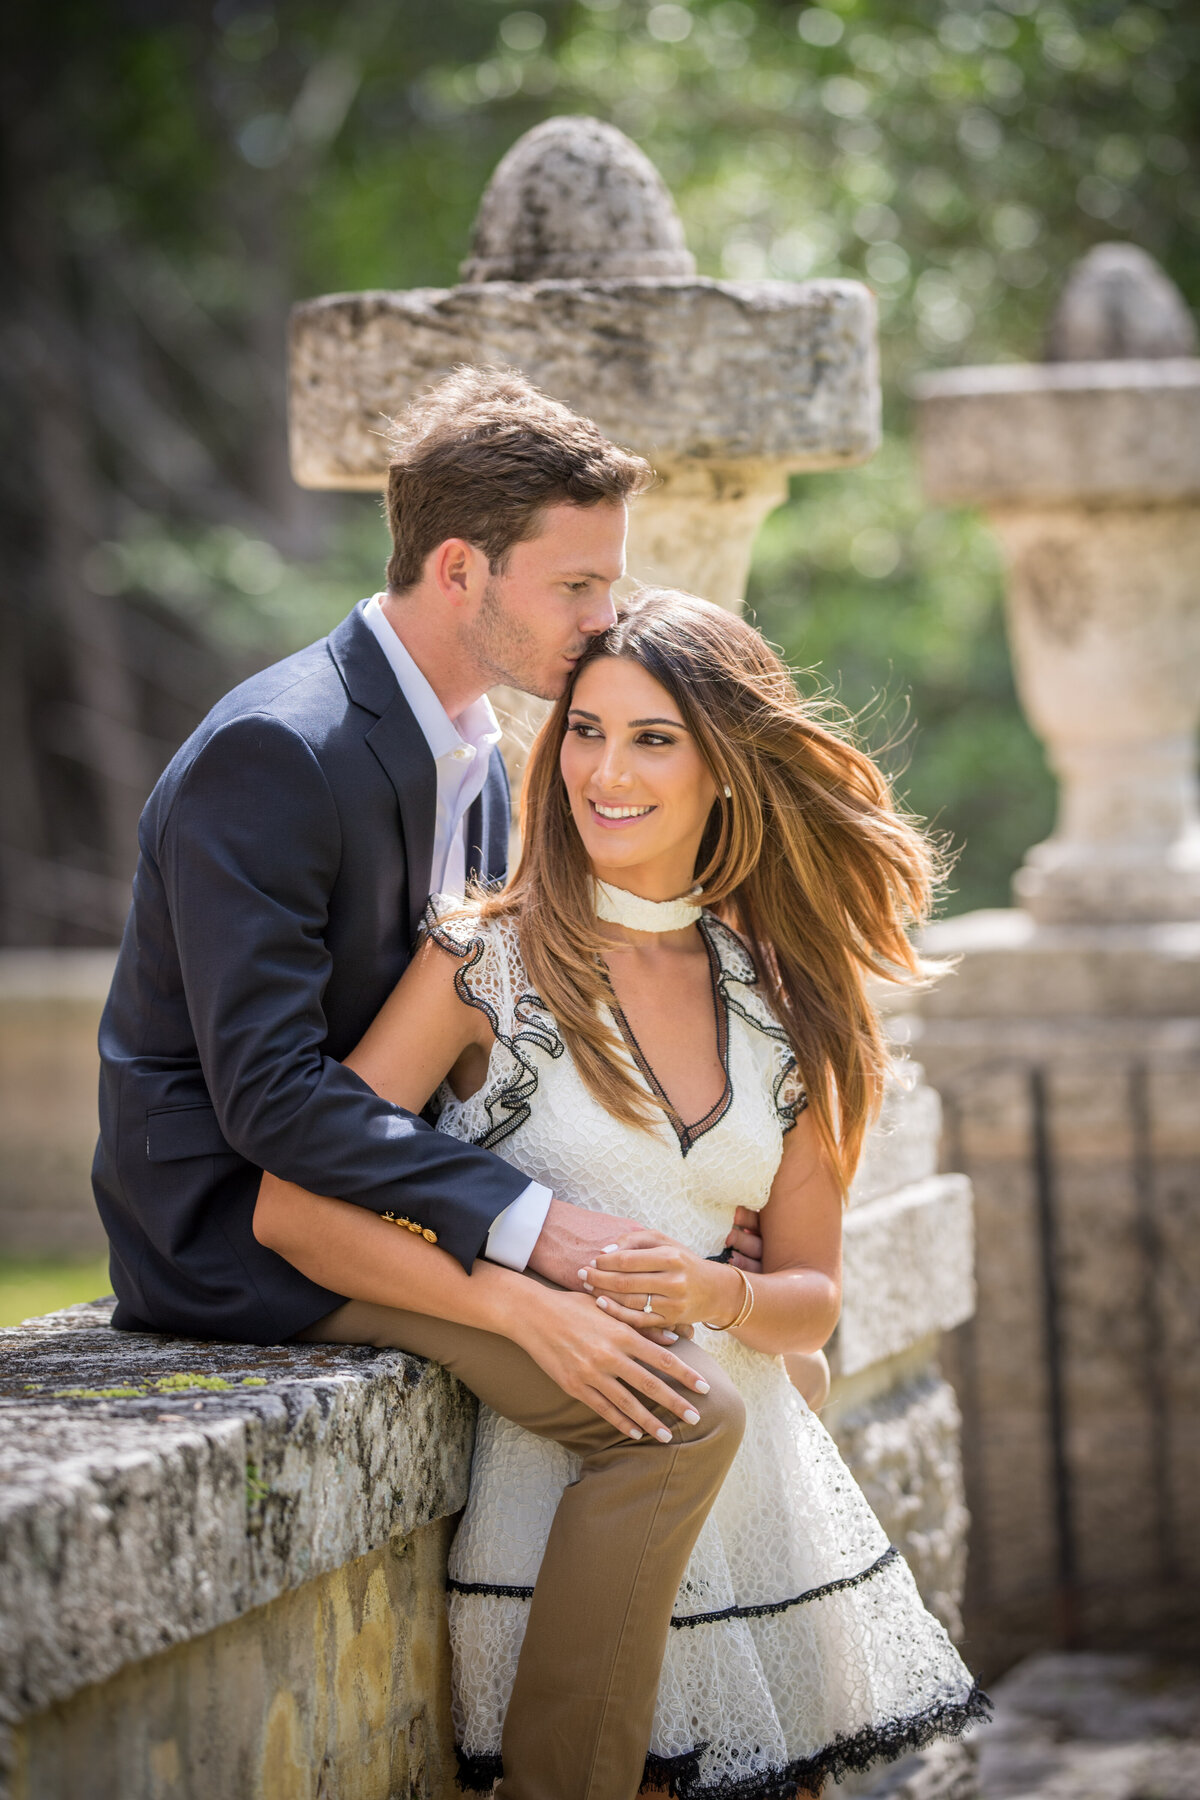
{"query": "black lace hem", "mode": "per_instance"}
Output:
(509, 1107)
(477, 1774)
(851, 1753)
(683, 1621)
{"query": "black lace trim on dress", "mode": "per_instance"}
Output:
(674, 1774)
(477, 1774)
(509, 1107)
(688, 1135)
(770, 1607)
(682, 1621)
(852, 1753)
(788, 1110)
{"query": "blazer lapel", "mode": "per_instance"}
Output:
(407, 761)
(400, 746)
(361, 664)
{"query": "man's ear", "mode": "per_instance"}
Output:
(458, 570)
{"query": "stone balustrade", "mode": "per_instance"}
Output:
(1066, 1045)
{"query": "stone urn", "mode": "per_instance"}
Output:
(1088, 467)
(580, 277)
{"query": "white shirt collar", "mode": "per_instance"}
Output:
(476, 727)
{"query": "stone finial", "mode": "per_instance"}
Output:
(1118, 305)
(575, 200)
(580, 278)
(1089, 465)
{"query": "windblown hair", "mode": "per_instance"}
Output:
(810, 860)
(480, 455)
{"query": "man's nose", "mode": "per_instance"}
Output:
(601, 616)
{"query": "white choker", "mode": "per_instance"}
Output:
(616, 906)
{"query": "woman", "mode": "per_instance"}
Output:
(666, 1012)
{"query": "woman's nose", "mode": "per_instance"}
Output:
(612, 772)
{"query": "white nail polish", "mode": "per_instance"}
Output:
(609, 1248)
(691, 1416)
(602, 1302)
(583, 1275)
(702, 1387)
(663, 1435)
(672, 1337)
(634, 1432)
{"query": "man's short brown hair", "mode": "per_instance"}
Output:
(480, 455)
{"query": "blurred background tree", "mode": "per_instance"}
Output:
(176, 174)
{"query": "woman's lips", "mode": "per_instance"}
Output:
(617, 824)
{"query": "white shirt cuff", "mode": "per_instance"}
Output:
(516, 1230)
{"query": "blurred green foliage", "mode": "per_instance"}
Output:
(206, 166)
(30, 1286)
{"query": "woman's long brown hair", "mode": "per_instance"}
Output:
(810, 860)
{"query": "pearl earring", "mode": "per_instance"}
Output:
(728, 791)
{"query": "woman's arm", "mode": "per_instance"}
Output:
(797, 1297)
(424, 1030)
(611, 1367)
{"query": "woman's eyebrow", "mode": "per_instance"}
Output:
(577, 712)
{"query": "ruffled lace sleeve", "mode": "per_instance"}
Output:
(491, 977)
(744, 996)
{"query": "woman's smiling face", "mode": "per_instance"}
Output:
(639, 789)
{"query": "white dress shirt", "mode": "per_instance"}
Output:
(462, 749)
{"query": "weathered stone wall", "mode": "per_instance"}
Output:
(1068, 1059)
(156, 1493)
(337, 1688)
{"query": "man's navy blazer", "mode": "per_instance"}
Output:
(284, 867)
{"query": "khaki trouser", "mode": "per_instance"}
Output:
(578, 1723)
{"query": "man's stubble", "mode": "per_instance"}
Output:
(508, 651)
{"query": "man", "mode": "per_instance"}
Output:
(286, 857)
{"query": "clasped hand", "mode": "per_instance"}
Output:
(680, 1286)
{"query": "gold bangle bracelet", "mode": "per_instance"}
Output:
(746, 1309)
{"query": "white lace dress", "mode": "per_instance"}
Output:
(799, 1648)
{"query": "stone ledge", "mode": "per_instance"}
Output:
(133, 1521)
(1009, 966)
(1046, 434)
(908, 1271)
(682, 368)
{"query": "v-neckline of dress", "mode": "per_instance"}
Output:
(687, 1135)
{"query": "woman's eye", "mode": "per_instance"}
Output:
(584, 731)
(655, 739)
